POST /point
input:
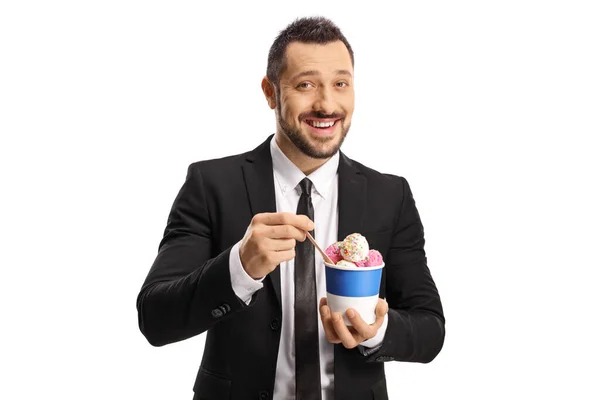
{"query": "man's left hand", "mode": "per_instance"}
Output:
(337, 331)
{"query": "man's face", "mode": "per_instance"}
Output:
(316, 97)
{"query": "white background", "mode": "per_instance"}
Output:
(489, 109)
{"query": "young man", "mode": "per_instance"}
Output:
(234, 260)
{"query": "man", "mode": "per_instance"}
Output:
(234, 260)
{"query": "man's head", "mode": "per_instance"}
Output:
(310, 84)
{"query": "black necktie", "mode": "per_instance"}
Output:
(308, 372)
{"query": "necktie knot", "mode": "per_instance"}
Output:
(306, 186)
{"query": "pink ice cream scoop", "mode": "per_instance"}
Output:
(333, 252)
(375, 259)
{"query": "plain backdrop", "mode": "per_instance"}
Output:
(490, 110)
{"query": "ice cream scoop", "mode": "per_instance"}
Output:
(333, 251)
(355, 248)
(346, 264)
(375, 258)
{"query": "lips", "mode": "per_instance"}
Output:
(322, 127)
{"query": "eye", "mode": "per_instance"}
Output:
(304, 85)
(341, 84)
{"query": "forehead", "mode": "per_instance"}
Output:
(325, 58)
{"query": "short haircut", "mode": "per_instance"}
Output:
(305, 30)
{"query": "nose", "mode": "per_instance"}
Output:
(324, 101)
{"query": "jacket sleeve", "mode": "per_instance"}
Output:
(416, 324)
(188, 289)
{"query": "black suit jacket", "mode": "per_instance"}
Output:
(188, 289)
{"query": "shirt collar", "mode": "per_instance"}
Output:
(288, 176)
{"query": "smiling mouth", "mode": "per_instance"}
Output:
(322, 124)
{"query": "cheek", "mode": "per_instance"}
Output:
(291, 111)
(346, 103)
(348, 109)
(288, 107)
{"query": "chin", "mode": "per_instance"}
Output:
(321, 146)
(312, 144)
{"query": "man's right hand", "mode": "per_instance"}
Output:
(270, 240)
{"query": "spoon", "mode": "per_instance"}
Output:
(325, 256)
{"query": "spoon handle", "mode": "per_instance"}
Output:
(325, 256)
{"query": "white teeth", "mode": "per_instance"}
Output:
(318, 124)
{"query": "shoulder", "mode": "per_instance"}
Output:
(217, 168)
(377, 180)
(214, 164)
(223, 166)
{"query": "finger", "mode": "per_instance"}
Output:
(342, 331)
(325, 312)
(323, 302)
(380, 311)
(363, 330)
(279, 244)
(283, 232)
(274, 218)
(301, 222)
(277, 257)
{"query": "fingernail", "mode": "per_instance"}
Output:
(311, 225)
(335, 317)
(350, 313)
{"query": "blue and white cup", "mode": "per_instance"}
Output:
(352, 287)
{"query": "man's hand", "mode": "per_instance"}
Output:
(270, 240)
(336, 330)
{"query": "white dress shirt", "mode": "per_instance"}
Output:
(325, 202)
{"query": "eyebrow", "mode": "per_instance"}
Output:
(316, 73)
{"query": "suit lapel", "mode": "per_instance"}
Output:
(352, 201)
(258, 176)
(352, 198)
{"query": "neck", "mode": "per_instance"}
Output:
(304, 163)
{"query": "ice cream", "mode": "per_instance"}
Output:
(354, 251)
(333, 252)
(355, 248)
(346, 264)
(375, 258)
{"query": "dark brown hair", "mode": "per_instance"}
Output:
(305, 30)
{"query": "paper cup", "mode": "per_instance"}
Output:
(351, 287)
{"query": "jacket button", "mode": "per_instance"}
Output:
(275, 324)
(217, 313)
(227, 307)
(263, 395)
(223, 309)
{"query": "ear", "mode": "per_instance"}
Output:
(269, 91)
